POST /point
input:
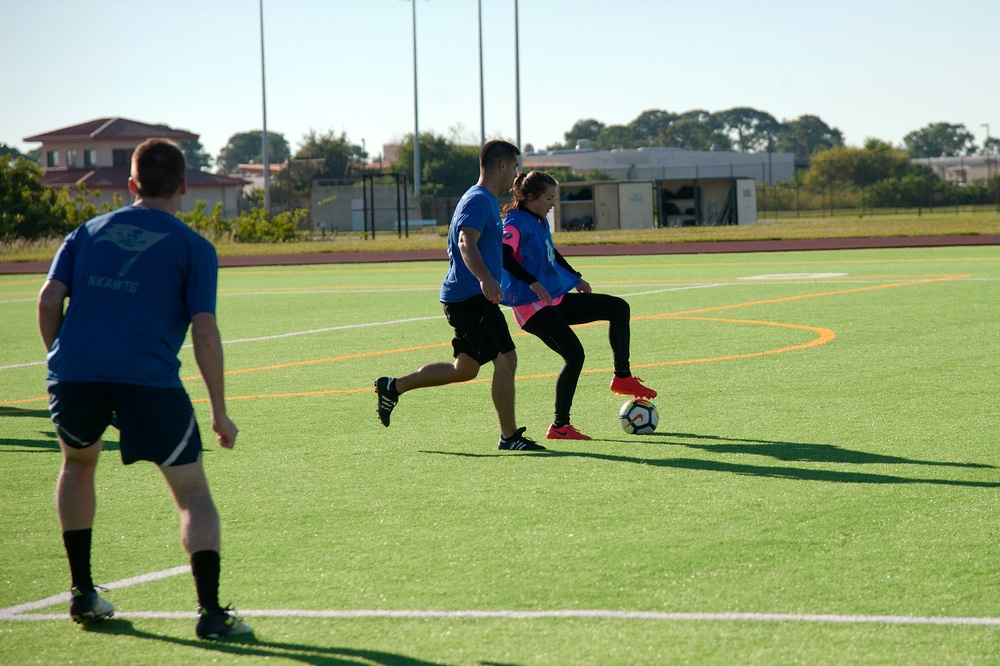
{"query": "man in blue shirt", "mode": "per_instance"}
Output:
(470, 295)
(136, 279)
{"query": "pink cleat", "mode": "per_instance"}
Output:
(565, 432)
(631, 386)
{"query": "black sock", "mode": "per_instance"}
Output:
(205, 565)
(623, 374)
(392, 389)
(77, 543)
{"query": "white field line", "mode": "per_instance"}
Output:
(11, 612)
(329, 329)
(346, 327)
(685, 288)
(647, 616)
(301, 292)
(21, 365)
(19, 300)
(19, 612)
(414, 319)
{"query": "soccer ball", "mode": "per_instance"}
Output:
(638, 416)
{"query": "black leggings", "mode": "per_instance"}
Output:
(552, 326)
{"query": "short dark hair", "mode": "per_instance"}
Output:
(158, 168)
(497, 151)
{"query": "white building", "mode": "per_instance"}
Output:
(655, 164)
(964, 169)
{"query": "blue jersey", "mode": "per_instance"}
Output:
(136, 276)
(478, 209)
(529, 237)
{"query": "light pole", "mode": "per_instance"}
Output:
(482, 103)
(416, 122)
(986, 149)
(517, 78)
(263, 102)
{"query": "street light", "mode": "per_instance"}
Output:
(482, 102)
(517, 76)
(986, 149)
(263, 99)
(416, 123)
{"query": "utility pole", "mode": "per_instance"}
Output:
(263, 98)
(517, 78)
(416, 123)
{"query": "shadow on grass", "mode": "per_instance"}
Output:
(251, 646)
(46, 444)
(797, 452)
(784, 451)
(17, 411)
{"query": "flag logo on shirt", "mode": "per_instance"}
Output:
(131, 239)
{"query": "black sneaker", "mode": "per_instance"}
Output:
(217, 624)
(387, 399)
(87, 606)
(518, 442)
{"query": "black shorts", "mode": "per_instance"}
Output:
(157, 424)
(480, 329)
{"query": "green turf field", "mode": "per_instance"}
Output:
(823, 488)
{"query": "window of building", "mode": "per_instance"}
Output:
(52, 159)
(121, 157)
(71, 158)
(90, 158)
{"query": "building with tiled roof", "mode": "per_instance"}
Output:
(98, 154)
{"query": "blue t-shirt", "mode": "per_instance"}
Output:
(136, 277)
(529, 237)
(478, 209)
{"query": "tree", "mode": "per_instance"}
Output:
(588, 129)
(940, 140)
(615, 136)
(195, 155)
(9, 152)
(446, 169)
(692, 134)
(247, 148)
(845, 165)
(28, 209)
(336, 152)
(648, 126)
(750, 129)
(807, 135)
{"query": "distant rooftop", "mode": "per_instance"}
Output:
(112, 128)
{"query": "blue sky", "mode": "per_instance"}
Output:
(876, 68)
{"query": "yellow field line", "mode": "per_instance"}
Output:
(786, 299)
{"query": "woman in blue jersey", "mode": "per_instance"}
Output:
(538, 284)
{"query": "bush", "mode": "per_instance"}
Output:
(31, 211)
(914, 190)
(255, 226)
(28, 209)
(207, 225)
